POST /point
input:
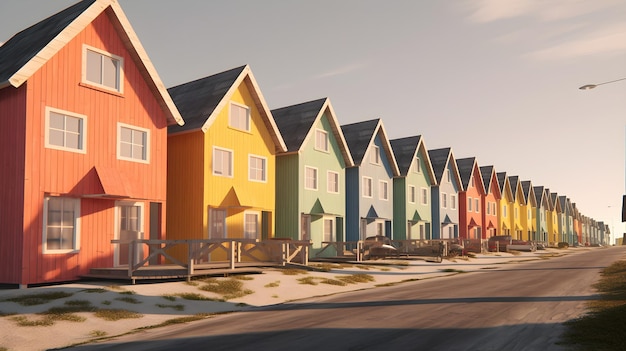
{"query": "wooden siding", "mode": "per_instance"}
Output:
(490, 221)
(48, 171)
(465, 215)
(404, 210)
(449, 188)
(288, 212)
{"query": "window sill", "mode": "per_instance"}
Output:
(101, 89)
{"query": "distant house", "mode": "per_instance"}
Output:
(311, 191)
(505, 213)
(554, 229)
(542, 199)
(444, 194)
(471, 199)
(369, 183)
(529, 211)
(577, 224)
(566, 220)
(222, 162)
(490, 202)
(519, 201)
(83, 146)
(412, 213)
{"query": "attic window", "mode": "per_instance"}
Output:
(321, 140)
(375, 155)
(239, 117)
(102, 69)
(417, 166)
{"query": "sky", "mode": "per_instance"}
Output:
(492, 79)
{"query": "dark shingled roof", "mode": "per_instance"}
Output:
(295, 122)
(539, 192)
(466, 167)
(196, 100)
(23, 46)
(439, 161)
(358, 136)
(404, 149)
(485, 172)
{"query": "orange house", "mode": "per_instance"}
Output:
(471, 199)
(83, 145)
(490, 201)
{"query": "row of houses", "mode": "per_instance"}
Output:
(94, 148)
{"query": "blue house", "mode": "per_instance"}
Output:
(445, 194)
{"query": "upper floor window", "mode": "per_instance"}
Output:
(477, 207)
(412, 194)
(61, 224)
(469, 204)
(444, 200)
(65, 130)
(321, 140)
(310, 181)
(133, 143)
(367, 187)
(102, 69)
(239, 117)
(332, 180)
(417, 168)
(424, 196)
(375, 155)
(448, 176)
(222, 162)
(257, 168)
(383, 190)
(453, 201)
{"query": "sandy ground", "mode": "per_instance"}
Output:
(158, 302)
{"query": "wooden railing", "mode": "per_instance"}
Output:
(358, 249)
(200, 251)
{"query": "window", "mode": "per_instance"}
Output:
(251, 225)
(504, 211)
(61, 224)
(375, 155)
(329, 230)
(257, 169)
(367, 187)
(379, 229)
(217, 227)
(418, 166)
(65, 130)
(529, 215)
(239, 117)
(102, 69)
(444, 200)
(133, 143)
(412, 194)
(310, 178)
(383, 190)
(477, 205)
(469, 204)
(424, 196)
(453, 202)
(516, 212)
(488, 208)
(222, 162)
(422, 231)
(448, 176)
(321, 140)
(332, 180)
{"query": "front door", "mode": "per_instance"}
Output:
(128, 227)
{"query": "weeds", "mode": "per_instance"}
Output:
(294, 271)
(272, 284)
(197, 297)
(39, 299)
(128, 299)
(228, 288)
(116, 314)
(178, 307)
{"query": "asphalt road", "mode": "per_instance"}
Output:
(512, 307)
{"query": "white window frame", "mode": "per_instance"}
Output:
(252, 173)
(448, 176)
(383, 190)
(119, 70)
(504, 211)
(516, 213)
(368, 187)
(146, 147)
(412, 194)
(332, 182)
(257, 225)
(477, 205)
(375, 155)
(75, 202)
(319, 146)
(424, 196)
(444, 200)
(469, 204)
(231, 170)
(452, 202)
(306, 178)
(248, 117)
(418, 166)
(83, 132)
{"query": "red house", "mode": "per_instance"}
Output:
(491, 201)
(83, 145)
(471, 199)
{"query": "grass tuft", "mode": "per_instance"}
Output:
(39, 299)
(169, 297)
(273, 284)
(178, 307)
(228, 288)
(356, 278)
(294, 271)
(116, 314)
(197, 297)
(128, 299)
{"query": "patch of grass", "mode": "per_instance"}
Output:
(127, 292)
(451, 270)
(97, 333)
(602, 327)
(385, 269)
(356, 278)
(95, 290)
(3, 349)
(228, 288)
(275, 296)
(273, 284)
(106, 302)
(308, 280)
(22, 321)
(294, 271)
(128, 299)
(169, 297)
(197, 297)
(242, 277)
(115, 287)
(333, 282)
(116, 314)
(39, 299)
(179, 320)
(192, 283)
(178, 307)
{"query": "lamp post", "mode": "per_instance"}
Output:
(592, 86)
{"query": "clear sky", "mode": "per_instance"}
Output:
(496, 80)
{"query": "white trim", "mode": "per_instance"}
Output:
(248, 116)
(385, 192)
(371, 187)
(328, 178)
(44, 233)
(444, 200)
(121, 125)
(83, 133)
(120, 70)
(250, 156)
(327, 140)
(232, 166)
(424, 196)
(306, 177)
(453, 202)
(375, 153)
(417, 168)
(412, 194)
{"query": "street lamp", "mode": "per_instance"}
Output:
(591, 86)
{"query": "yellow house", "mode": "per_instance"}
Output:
(529, 212)
(519, 201)
(553, 223)
(506, 205)
(221, 164)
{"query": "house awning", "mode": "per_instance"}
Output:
(233, 200)
(472, 224)
(318, 210)
(113, 184)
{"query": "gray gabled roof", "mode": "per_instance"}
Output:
(540, 197)
(503, 180)
(360, 135)
(466, 169)
(440, 158)
(514, 181)
(406, 150)
(296, 121)
(489, 174)
(529, 193)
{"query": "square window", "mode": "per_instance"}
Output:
(375, 155)
(257, 169)
(65, 131)
(333, 182)
(133, 143)
(310, 181)
(321, 140)
(383, 190)
(239, 117)
(367, 187)
(61, 224)
(222, 162)
(102, 69)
